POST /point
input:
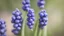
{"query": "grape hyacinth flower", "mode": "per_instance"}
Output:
(31, 18)
(43, 18)
(41, 3)
(2, 27)
(17, 21)
(26, 5)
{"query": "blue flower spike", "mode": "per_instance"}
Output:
(26, 5)
(43, 19)
(31, 18)
(2, 27)
(17, 21)
(41, 3)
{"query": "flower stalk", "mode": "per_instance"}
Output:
(24, 23)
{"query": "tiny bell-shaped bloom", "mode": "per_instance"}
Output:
(26, 5)
(43, 19)
(31, 18)
(41, 3)
(24, 2)
(17, 21)
(2, 27)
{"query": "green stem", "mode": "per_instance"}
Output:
(36, 28)
(23, 27)
(40, 32)
(44, 31)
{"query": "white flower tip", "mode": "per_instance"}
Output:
(17, 9)
(31, 29)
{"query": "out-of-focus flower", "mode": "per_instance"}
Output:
(41, 3)
(43, 18)
(26, 5)
(2, 27)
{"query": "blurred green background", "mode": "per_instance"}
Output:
(54, 8)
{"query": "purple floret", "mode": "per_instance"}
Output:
(2, 27)
(43, 19)
(31, 18)
(15, 31)
(17, 21)
(41, 3)
(24, 2)
(26, 8)
(26, 5)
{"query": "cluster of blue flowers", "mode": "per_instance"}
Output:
(30, 14)
(17, 21)
(41, 3)
(2, 27)
(31, 18)
(26, 5)
(42, 14)
(43, 19)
